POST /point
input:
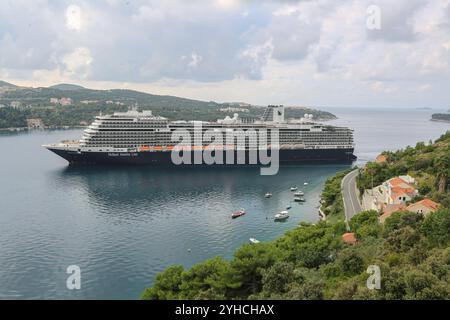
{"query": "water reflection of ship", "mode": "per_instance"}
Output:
(148, 194)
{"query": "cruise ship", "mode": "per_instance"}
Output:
(140, 137)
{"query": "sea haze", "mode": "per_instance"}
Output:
(122, 226)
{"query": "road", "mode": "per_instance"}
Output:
(350, 195)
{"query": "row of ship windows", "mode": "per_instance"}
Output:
(168, 134)
(119, 128)
(129, 145)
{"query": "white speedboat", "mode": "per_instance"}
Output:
(299, 194)
(268, 195)
(283, 215)
(254, 241)
(299, 199)
(294, 188)
(306, 183)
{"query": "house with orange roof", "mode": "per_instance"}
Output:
(390, 209)
(399, 190)
(349, 238)
(425, 207)
(381, 158)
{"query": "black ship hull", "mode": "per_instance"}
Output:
(162, 158)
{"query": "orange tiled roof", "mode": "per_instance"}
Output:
(389, 210)
(426, 203)
(381, 158)
(349, 238)
(396, 181)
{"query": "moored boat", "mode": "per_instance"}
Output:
(283, 215)
(238, 214)
(254, 241)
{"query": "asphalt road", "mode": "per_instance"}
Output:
(350, 195)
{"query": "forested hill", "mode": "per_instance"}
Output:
(80, 105)
(428, 163)
(312, 261)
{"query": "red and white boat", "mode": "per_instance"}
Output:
(238, 214)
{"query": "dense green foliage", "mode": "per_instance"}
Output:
(35, 103)
(311, 262)
(441, 117)
(428, 163)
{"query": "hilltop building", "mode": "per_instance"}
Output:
(390, 194)
(381, 158)
(35, 123)
(399, 190)
(349, 238)
(63, 101)
(425, 207)
(15, 104)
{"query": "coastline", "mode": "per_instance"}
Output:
(440, 120)
(21, 129)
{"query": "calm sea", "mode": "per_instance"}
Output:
(122, 226)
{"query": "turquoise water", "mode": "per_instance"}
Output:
(122, 226)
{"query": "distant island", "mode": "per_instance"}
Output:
(441, 117)
(70, 105)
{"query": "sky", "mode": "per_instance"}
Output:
(365, 53)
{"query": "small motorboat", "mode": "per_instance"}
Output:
(288, 207)
(299, 194)
(268, 195)
(299, 199)
(283, 215)
(306, 183)
(238, 214)
(294, 188)
(254, 241)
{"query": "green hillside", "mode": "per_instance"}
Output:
(311, 262)
(87, 103)
(66, 86)
(428, 163)
(7, 84)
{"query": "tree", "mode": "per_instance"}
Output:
(247, 266)
(442, 165)
(167, 285)
(206, 276)
(436, 227)
(351, 263)
(278, 277)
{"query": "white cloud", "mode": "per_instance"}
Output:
(195, 60)
(74, 20)
(77, 63)
(227, 4)
(316, 51)
(148, 14)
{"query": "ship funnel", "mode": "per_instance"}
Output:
(274, 114)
